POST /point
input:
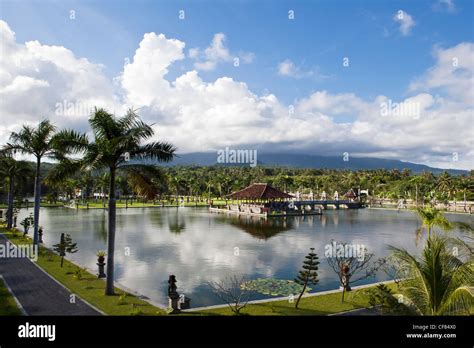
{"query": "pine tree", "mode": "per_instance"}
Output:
(65, 246)
(308, 274)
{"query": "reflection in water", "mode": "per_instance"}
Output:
(177, 223)
(267, 228)
(261, 228)
(198, 246)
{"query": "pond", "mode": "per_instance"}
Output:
(198, 246)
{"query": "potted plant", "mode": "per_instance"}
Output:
(101, 263)
(40, 234)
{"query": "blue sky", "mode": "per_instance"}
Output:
(383, 60)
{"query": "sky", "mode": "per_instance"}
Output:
(387, 79)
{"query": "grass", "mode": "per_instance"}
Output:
(313, 305)
(166, 203)
(86, 285)
(31, 205)
(8, 305)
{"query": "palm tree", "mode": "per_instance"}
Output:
(430, 218)
(416, 180)
(43, 142)
(13, 171)
(118, 147)
(438, 282)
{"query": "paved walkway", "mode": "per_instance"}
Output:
(37, 292)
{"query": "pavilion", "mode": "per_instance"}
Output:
(261, 199)
(259, 192)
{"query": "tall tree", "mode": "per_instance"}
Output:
(14, 171)
(118, 146)
(308, 275)
(438, 282)
(430, 218)
(43, 142)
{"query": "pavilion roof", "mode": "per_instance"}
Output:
(259, 191)
(351, 194)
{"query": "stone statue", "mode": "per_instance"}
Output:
(174, 305)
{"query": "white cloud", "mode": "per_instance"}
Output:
(405, 20)
(289, 69)
(197, 115)
(217, 53)
(452, 73)
(36, 78)
(144, 78)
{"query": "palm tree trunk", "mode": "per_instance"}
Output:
(109, 290)
(10, 203)
(37, 200)
(416, 187)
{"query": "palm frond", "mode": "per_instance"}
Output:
(69, 141)
(159, 151)
(140, 179)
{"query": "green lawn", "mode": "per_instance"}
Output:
(314, 305)
(7, 304)
(121, 204)
(86, 285)
(31, 205)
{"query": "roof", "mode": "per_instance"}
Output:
(259, 191)
(351, 194)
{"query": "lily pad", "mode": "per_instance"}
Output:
(273, 287)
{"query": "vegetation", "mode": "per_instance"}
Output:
(198, 185)
(89, 287)
(351, 264)
(308, 275)
(232, 291)
(439, 282)
(323, 304)
(26, 223)
(64, 246)
(431, 217)
(117, 146)
(12, 171)
(8, 305)
(388, 303)
(274, 287)
(42, 142)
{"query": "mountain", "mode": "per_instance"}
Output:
(313, 161)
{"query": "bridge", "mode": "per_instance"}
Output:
(324, 204)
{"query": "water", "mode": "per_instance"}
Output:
(198, 246)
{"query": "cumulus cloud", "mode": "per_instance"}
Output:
(452, 73)
(406, 22)
(216, 53)
(40, 81)
(198, 115)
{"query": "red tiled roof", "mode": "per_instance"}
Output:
(350, 194)
(259, 191)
